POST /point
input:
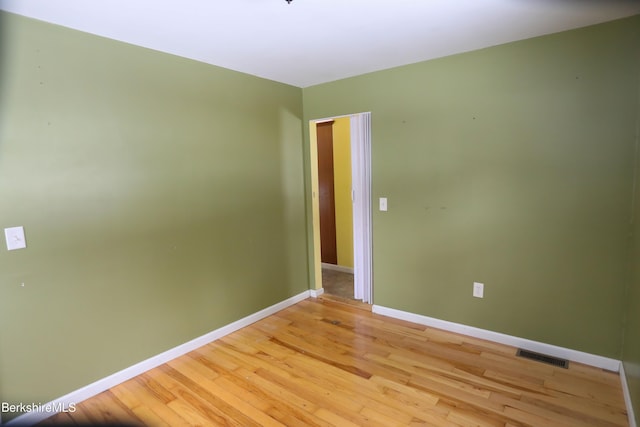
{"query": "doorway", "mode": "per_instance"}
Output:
(356, 256)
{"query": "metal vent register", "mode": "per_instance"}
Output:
(562, 363)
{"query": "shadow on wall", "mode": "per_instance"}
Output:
(293, 208)
(4, 85)
(4, 47)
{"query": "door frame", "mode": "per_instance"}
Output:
(360, 124)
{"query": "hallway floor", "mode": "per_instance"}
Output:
(337, 283)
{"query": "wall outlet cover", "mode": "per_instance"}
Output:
(478, 290)
(15, 238)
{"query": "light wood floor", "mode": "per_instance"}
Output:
(325, 363)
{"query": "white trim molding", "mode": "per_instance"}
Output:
(34, 417)
(538, 347)
(315, 293)
(627, 397)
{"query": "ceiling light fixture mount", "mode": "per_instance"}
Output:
(289, 1)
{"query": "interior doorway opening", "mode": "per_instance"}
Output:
(355, 256)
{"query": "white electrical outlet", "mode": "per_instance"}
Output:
(15, 238)
(383, 204)
(478, 290)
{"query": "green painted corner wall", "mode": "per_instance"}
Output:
(161, 198)
(631, 346)
(512, 166)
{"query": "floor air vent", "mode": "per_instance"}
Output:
(561, 363)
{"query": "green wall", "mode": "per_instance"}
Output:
(161, 198)
(631, 348)
(510, 166)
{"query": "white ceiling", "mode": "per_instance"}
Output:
(314, 41)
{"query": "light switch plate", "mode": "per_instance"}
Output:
(383, 204)
(478, 290)
(15, 238)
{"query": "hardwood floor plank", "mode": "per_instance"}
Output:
(531, 419)
(341, 386)
(334, 419)
(280, 404)
(570, 384)
(108, 409)
(60, 418)
(364, 392)
(464, 412)
(470, 419)
(197, 414)
(216, 407)
(298, 410)
(517, 380)
(80, 417)
(325, 363)
(237, 403)
(547, 412)
(154, 388)
(307, 388)
(346, 399)
(149, 418)
(146, 398)
(589, 415)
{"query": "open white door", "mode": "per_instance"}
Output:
(361, 182)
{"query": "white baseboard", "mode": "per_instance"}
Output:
(538, 347)
(34, 417)
(315, 293)
(337, 268)
(627, 397)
